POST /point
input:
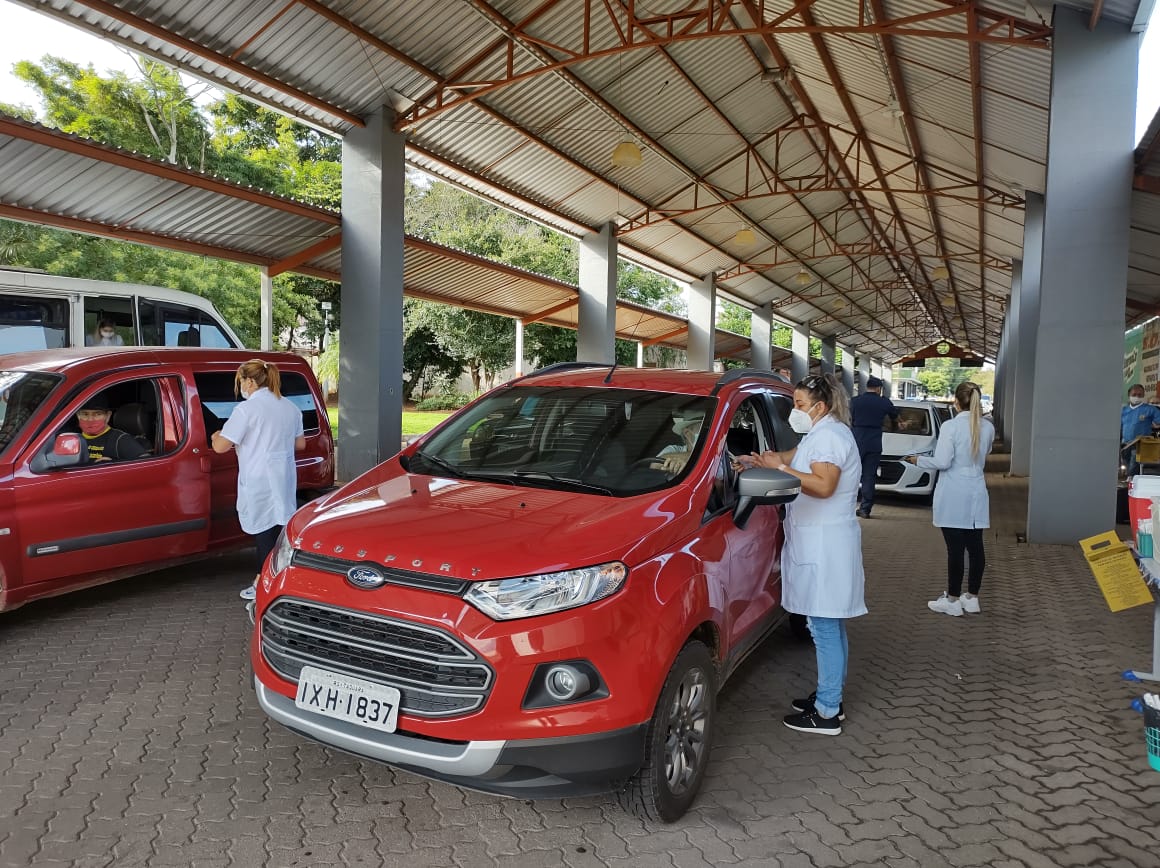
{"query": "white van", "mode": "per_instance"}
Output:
(42, 311)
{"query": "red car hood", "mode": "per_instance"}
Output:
(480, 530)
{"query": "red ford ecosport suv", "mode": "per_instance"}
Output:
(543, 595)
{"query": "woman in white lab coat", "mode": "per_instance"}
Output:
(821, 564)
(266, 431)
(961, 504)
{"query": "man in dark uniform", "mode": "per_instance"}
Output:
(105, 443)
(867, 413)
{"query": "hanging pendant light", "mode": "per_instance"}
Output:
(745, 236)
(940, 272)
(626, 155)
(802, 277)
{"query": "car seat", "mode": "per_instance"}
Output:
(741, 441)
(135, 421)
(191, 337)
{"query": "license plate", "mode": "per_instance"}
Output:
(345, 697)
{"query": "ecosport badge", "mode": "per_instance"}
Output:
(367, 578)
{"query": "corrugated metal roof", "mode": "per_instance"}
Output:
(710, 113)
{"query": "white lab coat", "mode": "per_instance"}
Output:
(821, 564)
(960, 496)
(263, 430)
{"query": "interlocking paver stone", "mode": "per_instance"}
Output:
(129, 735)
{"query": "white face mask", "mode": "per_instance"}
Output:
(1135, 400)
(800, 421)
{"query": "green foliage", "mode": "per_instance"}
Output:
(940, 377)
(443, 402)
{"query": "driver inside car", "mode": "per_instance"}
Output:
(687, 425)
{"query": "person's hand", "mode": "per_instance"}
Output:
(743, 462)
(673, 462)
(769, 459)
(910, 459)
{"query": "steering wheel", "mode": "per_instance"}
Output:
(649, 462)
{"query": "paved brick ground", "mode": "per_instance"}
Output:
(130, 736)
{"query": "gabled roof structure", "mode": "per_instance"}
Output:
(877, 151)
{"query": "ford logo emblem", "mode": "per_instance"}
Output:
(367, 578)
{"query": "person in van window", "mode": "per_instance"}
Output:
(105, 443)
(105, 335)
(821, 564)
(868, 411)
(1137, 419)
(266, 431)
(961, 504)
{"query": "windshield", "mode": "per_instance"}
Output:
(614, 442)
(911, 420)
(21, 393)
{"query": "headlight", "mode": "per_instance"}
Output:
(281, 555)
(523, 597)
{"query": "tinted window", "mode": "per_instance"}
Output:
(911, 420)
(175, 325)
(32, 323)
(610, 441)
(21, 394)
(216, 390)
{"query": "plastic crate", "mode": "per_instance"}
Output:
(1152, 736)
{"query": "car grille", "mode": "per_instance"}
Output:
(339, 566)
(437, 675)
(889, 472)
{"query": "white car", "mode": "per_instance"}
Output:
(914, 433)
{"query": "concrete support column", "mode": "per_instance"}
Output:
(760, 334)
(702, 323)
(1030, 280)
(1015, 334)
(848, 369)
(267, 309)
(596, 313)
(640, 354)
(865, 363)
(519, 354)
(800, 345)
(370, 408)
(1072, 493)
(829, 353)
(887, 383)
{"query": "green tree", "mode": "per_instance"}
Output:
(940, 377)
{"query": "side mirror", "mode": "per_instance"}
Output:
(67, 451)
(762, 486)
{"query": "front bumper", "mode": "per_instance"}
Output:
(524, 768)
(900, 477)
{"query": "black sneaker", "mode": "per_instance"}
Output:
(807, 704)
(863, 513)
(809, 721)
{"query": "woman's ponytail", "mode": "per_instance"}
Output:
(968, 396)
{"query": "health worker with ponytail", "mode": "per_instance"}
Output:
(266, 431)
(821, 563)
(961, 505)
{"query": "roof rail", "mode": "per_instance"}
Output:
(741, 373)
(567, 366)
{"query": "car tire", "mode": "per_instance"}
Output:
(678, 740)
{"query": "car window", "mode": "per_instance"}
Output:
(605, 441)
(216, 391)
(784, 437)
(135, 426)
(21, 394)
(116, 311)
(28, 323)
(749, 431)
(911, 420)
(944, 414)
(174, 325)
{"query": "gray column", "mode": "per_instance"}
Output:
(800, 345)
(596, 313)
(760, 334)
(1014, 334)
(519, 354)
(702, 323)
(829, 352)
(848, 369)
(887, 383)
(267, 309)
(1090, 140)
(1030, 283)
(370, 402)
(863, 373)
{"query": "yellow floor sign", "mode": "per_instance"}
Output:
(1116, 571)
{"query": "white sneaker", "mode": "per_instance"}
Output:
(249, 592)
(970, 604)
(946, 606)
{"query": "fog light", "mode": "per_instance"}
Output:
(566, 682)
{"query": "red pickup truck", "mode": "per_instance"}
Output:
(66, 523)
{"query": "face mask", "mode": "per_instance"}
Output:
(1135, 400)
(800, 421)
(107, 335)
(93, 427)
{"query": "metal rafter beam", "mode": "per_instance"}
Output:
(977, 112)
(707, 19)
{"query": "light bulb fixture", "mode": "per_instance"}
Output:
(745, 236)
(940, 272)
(948, 300)
(802, 277)
(780, 75)
(894, 109)
(626, 155)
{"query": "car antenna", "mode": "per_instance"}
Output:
(608, 379)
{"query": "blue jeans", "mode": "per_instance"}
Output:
(833, 652)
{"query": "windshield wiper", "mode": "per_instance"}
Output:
(450, 469)
(539, 475)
